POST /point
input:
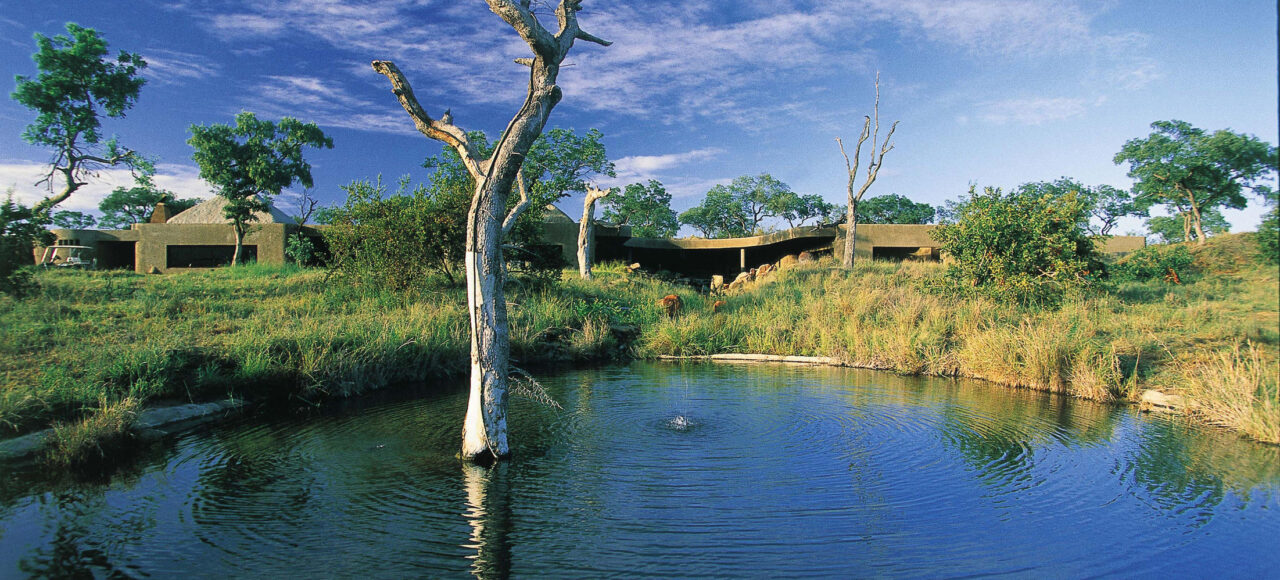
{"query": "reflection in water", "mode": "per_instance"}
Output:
(489, 515)
(775, 471)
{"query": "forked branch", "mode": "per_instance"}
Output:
(438, 129)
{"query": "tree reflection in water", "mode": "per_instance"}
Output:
(488, 512)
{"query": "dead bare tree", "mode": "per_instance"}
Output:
(484, 431)
(873, 169)
(306, 207)
(587, 230)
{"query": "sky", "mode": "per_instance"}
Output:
(692, 93)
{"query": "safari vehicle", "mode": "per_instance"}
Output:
(69, 257)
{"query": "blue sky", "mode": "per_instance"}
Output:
(693, 92)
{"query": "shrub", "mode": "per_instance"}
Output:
(20, 231)
(395, 241)
(1153, 263)
(1269, 236)
(300, 249)
(1025, 245)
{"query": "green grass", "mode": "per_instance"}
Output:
(90, 348)
(87, 341)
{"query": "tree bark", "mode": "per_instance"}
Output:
(484, 431)
(587, 231)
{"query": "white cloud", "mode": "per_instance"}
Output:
(182, 180)
(246, 25)
(325, 103)
(648, 166)
(1033, 111)
(171, 66)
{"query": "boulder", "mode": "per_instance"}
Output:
(787, 261)
(717, 283)
(805, 258)
(763, 270)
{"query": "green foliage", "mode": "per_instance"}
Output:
(1181, 228)
(76, 85)
(1109, 205)
(797, 209)
(1191, 172)
(558, 165)
(1269, 235)
(894, 209)
(646, 208)
(124, 207)
(740, 208)
(1025, 245)
(252, 161)
(21, 230)
(73, 220)
(299, 249)
(1153, 263)
(396, 241)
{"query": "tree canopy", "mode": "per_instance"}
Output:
(1190, 171)
(741, 208)
(253, 160)
(644, 207)
(894, 209)
(1026, 245)
(124, 207)
(76, 86)
(73, 220)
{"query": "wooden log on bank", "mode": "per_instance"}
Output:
(758, 358)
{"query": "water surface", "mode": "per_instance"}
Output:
(675, 471)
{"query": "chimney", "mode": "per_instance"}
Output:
(161, 214)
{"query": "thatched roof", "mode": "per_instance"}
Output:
(210, 212)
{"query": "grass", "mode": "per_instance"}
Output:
(88, 342)
(91, 348)
(1215, 338)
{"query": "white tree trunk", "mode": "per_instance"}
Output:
(587, 231)
(873, 170)
(484, 430)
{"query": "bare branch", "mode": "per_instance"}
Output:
(439, 130)
(526, 61)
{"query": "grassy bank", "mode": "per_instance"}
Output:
(93, 344)
(1214, 338)
(92, 348)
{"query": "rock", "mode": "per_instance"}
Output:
(805, 258)
(787, 261)
(1153, 400)
(633, 268)
(671, 305)
(717, 283)
(763, 270)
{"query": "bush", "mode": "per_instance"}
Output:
(20, 231)
(1025, 245)
(1269, 236)
(1153, 263)
(300, 249)
(396, 241)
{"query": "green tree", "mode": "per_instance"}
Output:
(558, 166)
(76, 86)
(1189, 171)
(1025, 245)
(720, 215)
(797, 209)
(1269, 235)
(894, 209)
(1177, 229)
(252, 161)
(395, 241)
(644, 207)
(21, 229)
(73, 220)
(1109, 205)
(740, 208)
(124, 207)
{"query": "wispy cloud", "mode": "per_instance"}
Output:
(171, 66)
(1033, 111)
(326, 103)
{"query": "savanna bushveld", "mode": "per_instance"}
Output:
(445, 278)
